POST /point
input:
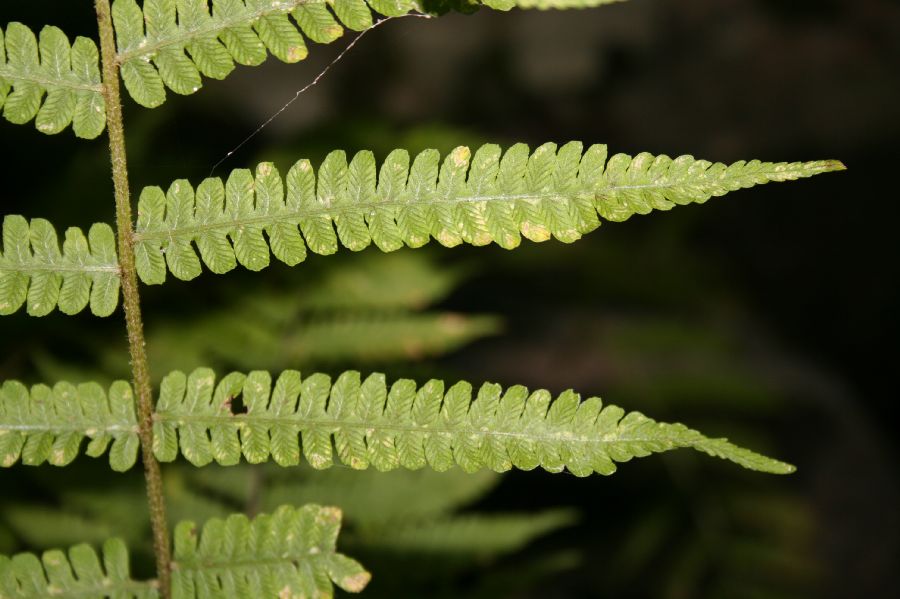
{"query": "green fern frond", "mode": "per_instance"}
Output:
(49, 424)
(170, 44)
(290, 553)
(491, 197)
(370, 424)
(35, 272)
(74, 576)
(69, 75)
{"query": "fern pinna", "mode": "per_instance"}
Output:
(489, 196)
(559, 192)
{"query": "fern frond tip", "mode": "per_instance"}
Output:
(723, 448)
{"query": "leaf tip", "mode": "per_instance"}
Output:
(355, 583)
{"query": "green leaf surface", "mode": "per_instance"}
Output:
(370, 424)
(35, 272)
(45, 424)
(76, 574)
(491, 196)
(51, 81)
(169, 44)
(289, 553)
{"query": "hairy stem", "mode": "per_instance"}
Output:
(131, 297)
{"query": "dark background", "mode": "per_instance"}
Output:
(768, 315)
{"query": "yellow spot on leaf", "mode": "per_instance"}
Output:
(296, 53)
(357, 582)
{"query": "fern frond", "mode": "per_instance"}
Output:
(49, 424)
(370, 424)
(493, 197)
(170, 44)
(69, 75)
(35, 272)
(75, 575)
(290, 553)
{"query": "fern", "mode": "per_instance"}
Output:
(238, 341)
(74, 576)
(375, 502)
(170, 44)
(69, 75)
(371, 425)
(477, 535)
(497, 198)
(290, 553)
(49, 424)
(33, 270)
(490, 197)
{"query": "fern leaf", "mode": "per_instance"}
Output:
(172, 43)
(35, 272)
(74, 576)
(49, 424)
(290, 553)
(372, 425)
(51, 81)
(491, 197)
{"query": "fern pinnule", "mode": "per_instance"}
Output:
(51, 81)
(560, 192)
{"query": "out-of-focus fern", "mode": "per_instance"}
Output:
(69, 75)
(472, 535)
(376, 502)
(320, 339)
(494, 197)
(368, 310)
